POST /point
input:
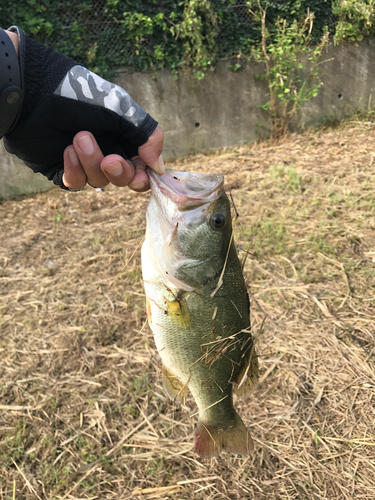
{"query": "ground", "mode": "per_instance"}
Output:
(82, 411)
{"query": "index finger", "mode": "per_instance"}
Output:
(150, 151)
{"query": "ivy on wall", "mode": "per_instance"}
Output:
(144, 35)
(356, 19)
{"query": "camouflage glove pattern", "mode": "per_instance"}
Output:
(62, 98)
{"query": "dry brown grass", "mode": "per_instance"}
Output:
(82, 410)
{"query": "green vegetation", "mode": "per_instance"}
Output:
(288, 177)
(268, 236)
(355, 19)
(146, 35)
(291, 63)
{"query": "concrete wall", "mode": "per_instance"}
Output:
(16, 179)
(223, 109)
(220, 110)
(348, 85)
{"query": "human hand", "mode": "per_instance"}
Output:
(85, 163)
(66, 106)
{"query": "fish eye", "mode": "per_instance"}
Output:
(218, 221)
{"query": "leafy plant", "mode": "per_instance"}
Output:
(291, 65)
(198, 31)
(355, 19)
(144, 35)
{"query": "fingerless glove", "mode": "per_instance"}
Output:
(62, 98)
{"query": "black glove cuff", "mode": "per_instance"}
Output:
(11, 93)
(149, 125)
(58, 179)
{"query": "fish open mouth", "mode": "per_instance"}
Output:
(187, 190)
(179, 226)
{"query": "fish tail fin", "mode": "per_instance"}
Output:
(210, 440)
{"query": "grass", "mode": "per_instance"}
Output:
(286, 177)
(82, 409)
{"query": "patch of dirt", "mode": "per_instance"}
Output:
(82, 409)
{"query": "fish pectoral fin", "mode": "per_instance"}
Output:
(247, 379)
(210, 440)
(178, 311)
(173, 386)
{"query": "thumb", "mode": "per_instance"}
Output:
(150, 151)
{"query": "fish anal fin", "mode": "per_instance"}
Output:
(247, 379)
(173, 386)
(211, 440)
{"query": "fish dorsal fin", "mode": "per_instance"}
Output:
(247, 379)
(173, 386)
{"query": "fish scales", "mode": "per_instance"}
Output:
(202, 333)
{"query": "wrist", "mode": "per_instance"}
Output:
(14, 38)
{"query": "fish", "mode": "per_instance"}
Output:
(197, 304)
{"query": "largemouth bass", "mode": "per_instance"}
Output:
(197, 304)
